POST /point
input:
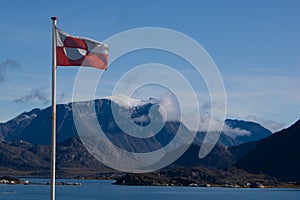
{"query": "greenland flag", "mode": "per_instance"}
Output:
(79, 51)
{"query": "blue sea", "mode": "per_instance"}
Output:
(104, 190)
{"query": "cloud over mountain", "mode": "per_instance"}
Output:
(35, 94)
(169, 107)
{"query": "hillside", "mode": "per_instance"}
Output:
(276, 155)
(73, 160)
(29, 135)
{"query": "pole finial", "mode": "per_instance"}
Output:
(53, 18)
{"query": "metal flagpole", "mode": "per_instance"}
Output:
(53, 144)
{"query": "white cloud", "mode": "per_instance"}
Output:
(235, 132)
(169, 107)
(206, 121)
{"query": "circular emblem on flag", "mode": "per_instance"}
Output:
(75, 48)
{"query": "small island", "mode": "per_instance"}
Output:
(204, 177)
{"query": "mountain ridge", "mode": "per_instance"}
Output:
(37, 128)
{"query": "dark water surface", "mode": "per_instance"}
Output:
(104, 190)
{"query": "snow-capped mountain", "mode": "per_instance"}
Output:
(35, 126)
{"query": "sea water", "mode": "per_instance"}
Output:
(105, 190)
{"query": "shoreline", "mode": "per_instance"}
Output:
(74, 182)
(280, 186)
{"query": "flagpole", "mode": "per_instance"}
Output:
(53, 142)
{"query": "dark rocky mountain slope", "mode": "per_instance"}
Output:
(276, 155)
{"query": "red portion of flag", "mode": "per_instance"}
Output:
(76, 51)
(73, 42)
(90, 59)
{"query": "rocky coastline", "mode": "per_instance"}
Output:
(203, 177)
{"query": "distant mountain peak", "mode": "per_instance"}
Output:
(236, 121)
(127, 101)
(254, 130)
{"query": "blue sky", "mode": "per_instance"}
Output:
(255, 45)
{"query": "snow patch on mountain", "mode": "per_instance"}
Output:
(27, 115)
(127, 101)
